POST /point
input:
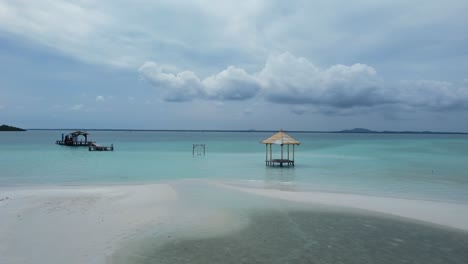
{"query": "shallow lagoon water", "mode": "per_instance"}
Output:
(412, 166)
(261, 230)
(311, 237)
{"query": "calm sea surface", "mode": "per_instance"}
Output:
(431, 167)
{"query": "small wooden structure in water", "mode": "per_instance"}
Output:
(96, 147)
(281, 139)
(198, 148)
(73, 139)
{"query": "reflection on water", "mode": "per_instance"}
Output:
(280, 178)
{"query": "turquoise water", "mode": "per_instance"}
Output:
(431, 167)
(215, 225)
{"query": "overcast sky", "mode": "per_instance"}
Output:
(205, 64)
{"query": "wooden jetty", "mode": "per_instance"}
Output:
(282, 139)
(73, 139)
(96, 147)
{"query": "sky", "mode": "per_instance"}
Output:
(206, 64)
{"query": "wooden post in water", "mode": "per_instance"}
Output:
(293, 155)
(270, 153)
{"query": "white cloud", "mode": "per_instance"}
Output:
(100, 98)
(174, 87)
(230, 84)
(74, 28)
(292, 80)
(207, 34)
(295, 81)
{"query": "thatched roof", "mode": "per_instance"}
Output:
(281, 138)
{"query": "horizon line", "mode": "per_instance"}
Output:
(346, 131)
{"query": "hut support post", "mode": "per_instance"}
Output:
(270, 153)
(281, 162)
(293, 155)
(288, 151)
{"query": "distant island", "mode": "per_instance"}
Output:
(368, 131)
(357, 130)
(10, 128)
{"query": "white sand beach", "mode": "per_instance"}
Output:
(82, 224)
(76, 224)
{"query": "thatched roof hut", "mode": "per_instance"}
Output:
(280, 138)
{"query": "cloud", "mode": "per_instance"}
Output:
(67, 26)
(290, 80)
(125, 34)
(174, 87)
(77, 107)
(299, 109)
(248, 111)
(99, 98)
(233, 33)
(432, 95)
(230, 84)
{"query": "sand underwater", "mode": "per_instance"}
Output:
(255, 229)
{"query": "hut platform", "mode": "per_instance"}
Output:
(280, 162)
(96, 147)
(74, 143)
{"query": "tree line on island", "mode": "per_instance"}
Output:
(10, 128)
